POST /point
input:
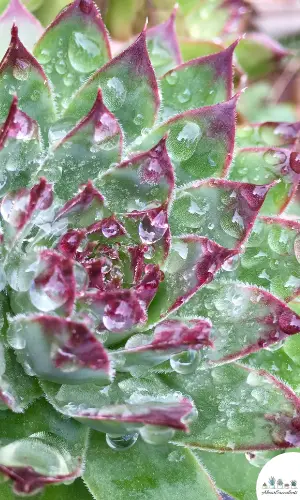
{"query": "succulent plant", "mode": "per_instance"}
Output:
(149, 282)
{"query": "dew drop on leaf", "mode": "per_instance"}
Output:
(21, 69)
(120, 443)
(69, 79)
(231, 264)
(115, 94)
(172, 78)
(61, 67)
(118, 316)
(275, 157)
(44, 56)
(84, 53)
(154, 434)
(183, 140)
(152, 231)
(185, 362)
(184, 96)
(15, 337)
(275, 346)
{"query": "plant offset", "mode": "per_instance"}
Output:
(149, 282)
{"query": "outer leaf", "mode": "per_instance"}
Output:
(33, 453)
(227, 423)
(30, 27)
(150, 471)
(192, 263)
(265, 54)
(78, 32)
(268, 134)
(200, 141)
(219, 209)
(266, 165)
(20, 73)
(59, 349)
(129, 90)
(142, 182)
(19, 138)
(87, 151)
(200, 82)
(271, 257)
(191, 49)
(163, 45)
(265, 319)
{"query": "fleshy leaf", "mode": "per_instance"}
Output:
(142, 182)
(96, 411)
(226, 422)
(84, 208)
(30, 27)
(191, 49)
(200, 141)
(169, 337)
(222, 210)
(33, 452)
(75, 491)
(152, 471)
(265, 319)
(87, 151)
(20, 73)
(265, 165)
(17, 390)
(265, 54)
(129, 90)
(268, 134)
(163, 45)
(59, 349)
(19, 138)
(271, 257)
(192, 263)
(201, 82)
(72, 48)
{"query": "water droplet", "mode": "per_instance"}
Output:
(185, 362)
(61, 67)
(184, 97)
(138, 119)
(15, 335)
(110, 229)
(119, 443)
(115, 94)
(149, 253)
(231, 264)
(275, 157)
(172, 78)
(153, 434)
(151, 231)
(21, 69)
(118, 316)
(183, 140)
(84, 53)
(295, 162)
(69, 80)
(259, 458)
(45, 56)
(297, 247)
(81, 277)
(176, 456)
(274, 347)
(48, 296)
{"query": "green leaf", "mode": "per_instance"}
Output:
(271, 257)
(264, 165)
(191, 49)
(21, 74)
(72, 48)
(266, 320)
(200, 141)
(221, 210)
(31, 29)
(129, 90)
(87, 151)
(151, 472)
(201, 82)
(163, 45)
(19, 149)
(74, 491)
(233, 403)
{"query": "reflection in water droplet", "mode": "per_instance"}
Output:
(172, 78)
(69, 80)
(21, 69)
(275, 157)
(154, 434)
(61, 67)
(231, 264)
(118, 316)
(185, 362)
(84, 53)
(115, 93)
(275, 346)
(183, 140)
(15, 336)
(44, 56)
(138, 119)
(119, 443)
(184, 97)
(152, 231)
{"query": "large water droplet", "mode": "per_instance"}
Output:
(275, 157)
(84, 53)
(185, 362)
(21, 69)
(151, 231)
(61, 67)
(118, 316)
(154, 434)
(231, 264)
(69, 80)
(172, 78)
(44, 56)
(183, 140)
(184, 96)
(259, 458)
(15, 335)
(115, 93)
(120, 443)
(49, 296)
